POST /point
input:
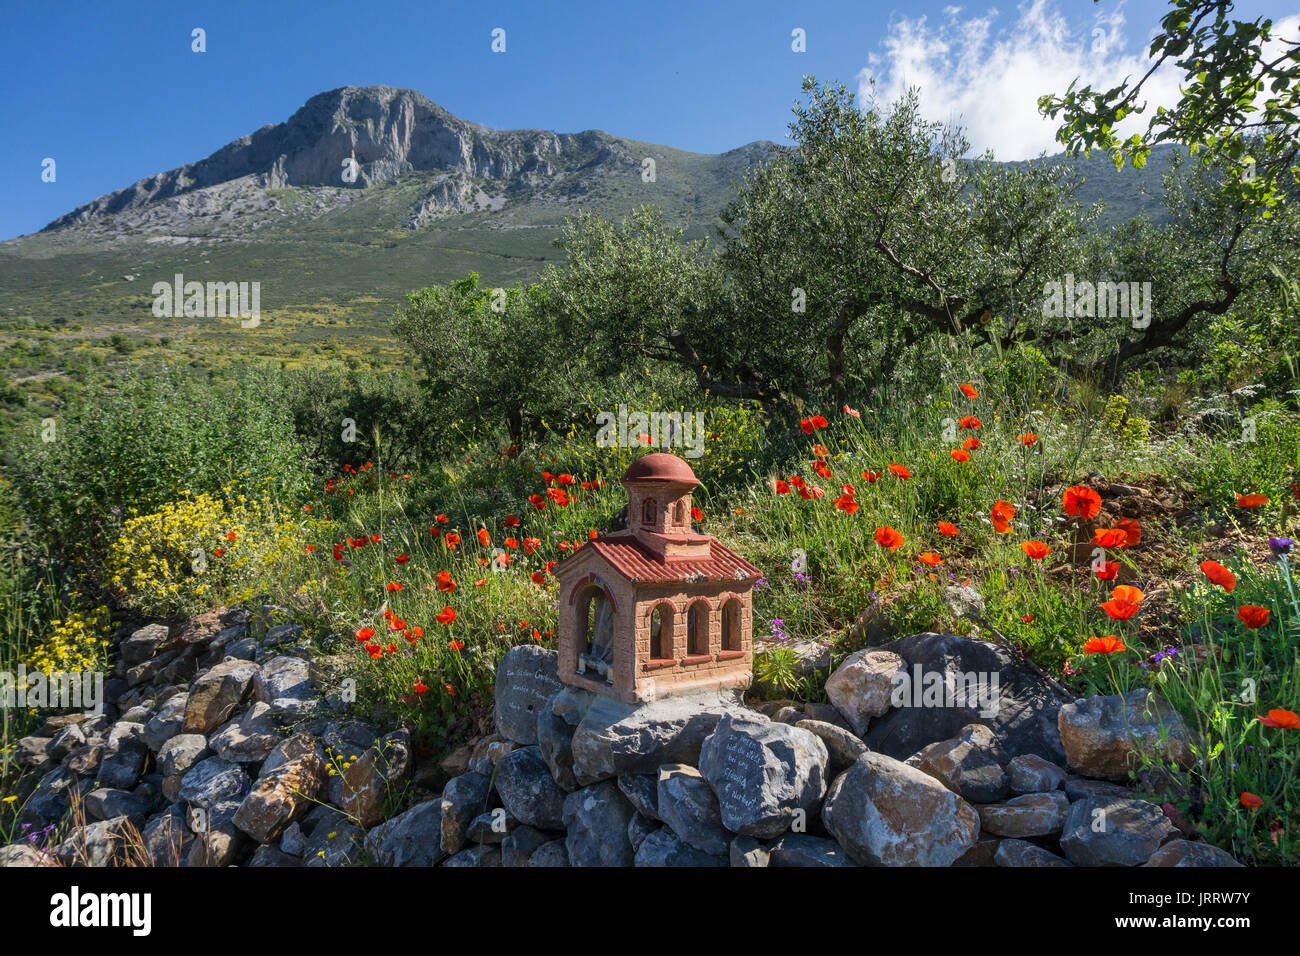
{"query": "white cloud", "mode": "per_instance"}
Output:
(986, 72)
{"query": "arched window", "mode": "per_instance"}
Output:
(649, 511)
(660, 639)
(697, 629)
(679, 514)
(731, 625)
(596, 642)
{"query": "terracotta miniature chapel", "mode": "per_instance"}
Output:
(656, 609)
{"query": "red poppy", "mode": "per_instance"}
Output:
(887, 537)
(1118, 610)
(871, 477)
(1286, 719)
(820, 451)
(1109, 644)
(1110, 538)
(1081, 501)
(456, 645)
(445, 582)
(968, 421)
(441, 519)
(537, 501)
(1035, 549)
(365, 634)
(483, 537)
(451, 539)
(947, 529)
(446, 616)
(1250, 800)
(450, 690)
(971, 444)
(512, 521)
(1253, 616)
(231, 536)
(419, 687)
(846, 504)
(310, 549)
(900, 471)
(532, 544)
(538, 577)
(968, 390)
(402, 558)
(218, 552)
(822, 470)
(959, 454)
(1131, 528)
(1027, 618)
(1219, 575)
(819, 422)
(782, 488)
(796, 481)
(1002, 513)
(394, 586)
(930, 558)
(1108, 571)
(807, 425)
(1028, 439)
(510, 543)
(852, 411)
(1251, 501)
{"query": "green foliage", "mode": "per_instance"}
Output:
(1232, 89)
(142, 441)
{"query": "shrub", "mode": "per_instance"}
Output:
(143, 440)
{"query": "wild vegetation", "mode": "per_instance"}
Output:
(890, 411)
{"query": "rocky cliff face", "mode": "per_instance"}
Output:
(385, 132)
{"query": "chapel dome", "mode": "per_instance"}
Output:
(660, 466)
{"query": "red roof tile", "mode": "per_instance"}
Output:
(639, 565)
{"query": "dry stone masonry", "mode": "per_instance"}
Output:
(229, 752)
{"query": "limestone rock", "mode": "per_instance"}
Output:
(974, 682)
(527, 678)
(664, 848)
(801, 849)
(843, 746)
(748, 853)
(765, 774)
(596, 819)
(217, 694)
(528, 791)
(284, 684)
(968, 765)
(369, 782)
(1030, 815)
(166, 722)
(1114, 832)
(409, 839)
(463, 799)
(1018, 853)
(615, 738)
(885, 813)
(249, 738)
(1030, 773)
(1187, 853)
(689, 806)
(861, 688)
(1105, 736)
(280, 797)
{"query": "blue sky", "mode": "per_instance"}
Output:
(113, 92)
